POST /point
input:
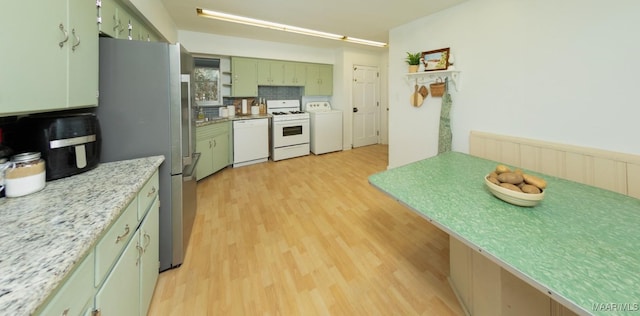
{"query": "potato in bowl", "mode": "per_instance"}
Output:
(515, 187)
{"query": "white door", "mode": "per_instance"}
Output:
(366, 114)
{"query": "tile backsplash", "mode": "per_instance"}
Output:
(266, 92)
(280, 93)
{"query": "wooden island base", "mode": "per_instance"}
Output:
(485, 288)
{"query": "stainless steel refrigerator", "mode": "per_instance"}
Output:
(145, 109)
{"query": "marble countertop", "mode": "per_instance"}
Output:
(234, 118)
(44, 234)
(581, 243)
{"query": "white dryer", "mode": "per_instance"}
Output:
(325, 124)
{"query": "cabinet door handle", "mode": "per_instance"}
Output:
(96, 312)
(126, 232)
(77, 38)
(210, 144)
(66, 35)
(66, 312)
(214, 143)
(117, 22)
(147, 242)
(140, 251)
(152, 192)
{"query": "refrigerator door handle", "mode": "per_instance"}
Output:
(189, 172)
(186, 78)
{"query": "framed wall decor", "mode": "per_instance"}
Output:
(436, 59)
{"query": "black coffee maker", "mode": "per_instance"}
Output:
(69, 142)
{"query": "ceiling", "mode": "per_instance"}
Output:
(369, 20)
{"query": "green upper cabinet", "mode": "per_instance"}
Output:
(114, 19)
(281, 73)
(108, 17)
(56, 64)
(122, 23)
(117, 21)
(139, 31)
(319, 80)
(270, 72)
(245, 77)
(295, 74)
(83, 56)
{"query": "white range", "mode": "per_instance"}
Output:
(289, 130)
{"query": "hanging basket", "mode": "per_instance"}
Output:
(437, 88)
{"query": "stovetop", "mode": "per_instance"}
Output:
(285, 110)
(289, 115)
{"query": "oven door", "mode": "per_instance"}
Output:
(288, 133)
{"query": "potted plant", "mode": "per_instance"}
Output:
(414, 61)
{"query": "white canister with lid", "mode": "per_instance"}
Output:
(232, 110)
(223, 111)
(25, 175)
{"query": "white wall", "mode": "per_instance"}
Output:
(343, 88)
(561, 71)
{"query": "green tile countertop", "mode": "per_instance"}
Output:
(581, 244)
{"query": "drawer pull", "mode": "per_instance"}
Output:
(153, 191)
(122, 237)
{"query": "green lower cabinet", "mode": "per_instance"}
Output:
(128, 289)
(76, 295)
(213, 143)
(220, 151)
(119, 295)
(98, 285)
(204, 167)
(149, 263)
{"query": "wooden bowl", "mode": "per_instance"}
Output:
(513, 197)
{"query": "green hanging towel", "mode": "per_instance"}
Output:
(444, 137)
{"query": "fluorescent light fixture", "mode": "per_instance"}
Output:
(364, 41)
(282, 27)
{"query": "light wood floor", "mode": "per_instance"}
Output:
(308, 236)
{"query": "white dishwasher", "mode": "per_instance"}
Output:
(250, 141)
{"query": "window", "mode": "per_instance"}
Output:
(207, 81)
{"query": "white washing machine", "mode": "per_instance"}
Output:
(325, 124)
